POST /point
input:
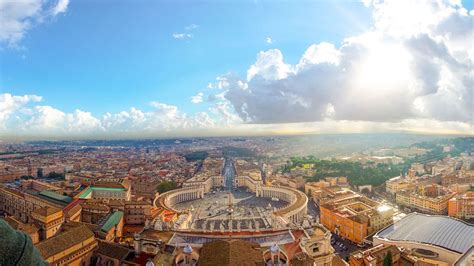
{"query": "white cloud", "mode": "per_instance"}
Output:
(60, 7)
(269, 66)
(182, 36)
(17, 17)
(415, 63)
(187, 34)
(9, 104)
(42, 121)
(197, 98)
(268, 40)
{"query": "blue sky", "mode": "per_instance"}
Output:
(104, 56)
(108, 56)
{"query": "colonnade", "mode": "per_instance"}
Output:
(296, 210)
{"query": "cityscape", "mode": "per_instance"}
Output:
(146, 133)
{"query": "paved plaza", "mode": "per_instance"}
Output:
(247, 212)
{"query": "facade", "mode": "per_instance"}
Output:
(49, 220)
(21, 204)
(399, 184)
(462, 206)
(145, 187)
(432, 199)
(112, 188)
(137, 212)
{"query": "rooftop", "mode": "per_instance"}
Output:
(111, 221)
(51, 195)
(441, 231)
(113, 250)
(46, 211)
(231, 252)
(63, 241)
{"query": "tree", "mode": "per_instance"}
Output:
(387, 261)
(166, 186)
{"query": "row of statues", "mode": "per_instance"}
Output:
(241, 224)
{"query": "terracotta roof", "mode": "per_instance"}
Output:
(231, 252)
(112, 250)
(95, 206)
(74, 210)
(46, 211)
(64, 240)
(18, 225)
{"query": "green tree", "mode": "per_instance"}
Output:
(387, 261)
(166, 186)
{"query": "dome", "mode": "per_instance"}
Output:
(188, 249)
(275, 248)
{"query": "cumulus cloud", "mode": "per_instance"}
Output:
(9, 104)
(198, 98)
(23, 116)
(415, 63)
(17, 17)
(268, 40)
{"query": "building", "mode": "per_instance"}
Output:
(376, 255)
(29, 229)
(73, 246)
(21, 204)
(108, 189)
(137, 212)
(462, 206)
(354, 216)
(112, 254)
(93, 211)
(49, 220)
(399, 184)
(145, 187)
(432, 199)
(111, 226)
(430, 236)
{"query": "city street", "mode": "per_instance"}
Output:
(342, 246)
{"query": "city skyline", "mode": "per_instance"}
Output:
(72, 70)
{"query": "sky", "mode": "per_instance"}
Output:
(115, 69)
